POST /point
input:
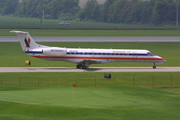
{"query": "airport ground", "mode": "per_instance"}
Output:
(94, 33)
(108, 102)
(92, 69)
(12, 57)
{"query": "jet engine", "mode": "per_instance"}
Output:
(54, 51)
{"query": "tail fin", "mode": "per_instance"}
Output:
(26, 40)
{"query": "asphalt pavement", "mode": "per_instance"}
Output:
(91, 69)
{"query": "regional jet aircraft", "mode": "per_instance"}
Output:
(85, 57)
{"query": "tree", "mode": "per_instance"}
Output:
(96, 12)
(163, 11)
(128, 14)
(146, 11)
(53, 8)
(61, 8)
(8, 6)
(1, 5)
(115, 11)
(90, 11)
(106, 6)
(28, 8)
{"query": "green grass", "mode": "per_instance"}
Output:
(90, 79)
(77, 28)
(11, 55)
(10, 22)
(54, 32)
(113, 102)
(122, 101)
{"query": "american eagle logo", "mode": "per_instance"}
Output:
(27, 42)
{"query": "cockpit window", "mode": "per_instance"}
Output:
(150, 54)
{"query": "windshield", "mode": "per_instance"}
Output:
(150, 54)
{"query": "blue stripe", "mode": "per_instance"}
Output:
(86, 53)
(33, 52)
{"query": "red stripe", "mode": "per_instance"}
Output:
(111, 58)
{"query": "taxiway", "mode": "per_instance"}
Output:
(92, 69)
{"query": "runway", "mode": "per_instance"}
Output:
(91, 69)
(95, 39)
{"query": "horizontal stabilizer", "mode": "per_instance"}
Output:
(19, 32)
(26, 40)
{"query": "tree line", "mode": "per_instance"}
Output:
(130, 11)
(156, 12)
(53, 9)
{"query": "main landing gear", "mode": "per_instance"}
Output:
(78, 66)
(83, 66)
(154, 67)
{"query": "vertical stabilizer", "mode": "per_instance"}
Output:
(26, 40)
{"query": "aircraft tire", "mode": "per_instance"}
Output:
(154, 67)
(83, 67)
(78, 66)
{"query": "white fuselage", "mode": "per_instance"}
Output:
(99, 56)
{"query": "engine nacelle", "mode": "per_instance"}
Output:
(54, 51)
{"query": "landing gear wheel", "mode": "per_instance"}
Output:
(83, 67)
(154, 67)
(78, 66)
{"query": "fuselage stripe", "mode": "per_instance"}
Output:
(89, 53)
(110, 58)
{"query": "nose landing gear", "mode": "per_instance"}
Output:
(154, 67)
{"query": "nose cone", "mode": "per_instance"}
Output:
(161, 60)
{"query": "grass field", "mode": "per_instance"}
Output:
(54, 32)
(78, 28)
(106, 101)
(90, 79)
(112, 102)
(10, 22)
(11, 55)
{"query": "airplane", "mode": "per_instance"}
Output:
(84, 57)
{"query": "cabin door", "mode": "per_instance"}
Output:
(92, 53)
(134, 56)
